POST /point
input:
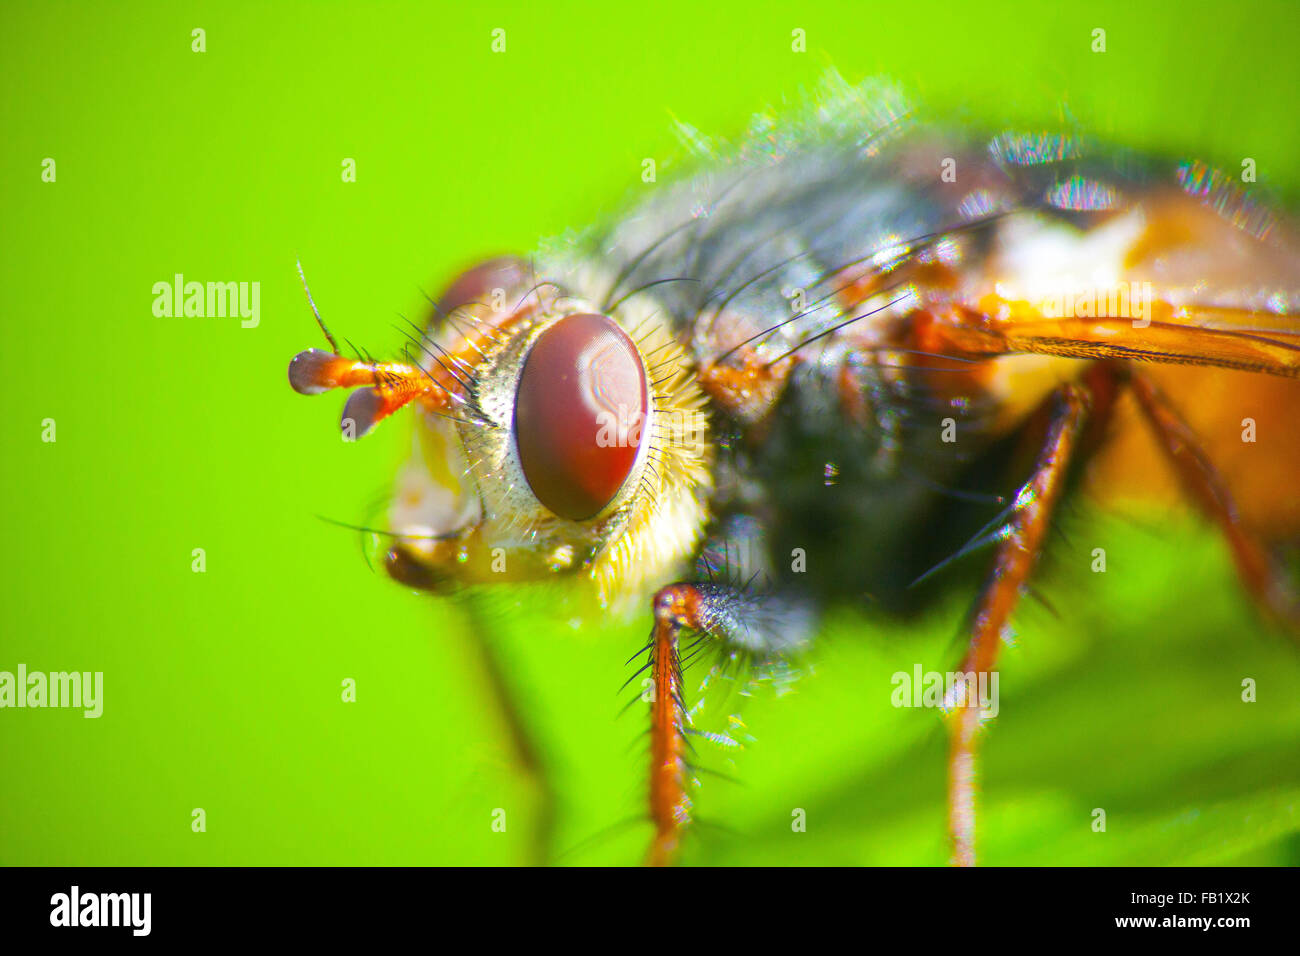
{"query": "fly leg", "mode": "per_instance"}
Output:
(1262, 576)
(763, 626)
(675, 607)
(527, 753)
(1022, 540)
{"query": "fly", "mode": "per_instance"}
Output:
(760, 393)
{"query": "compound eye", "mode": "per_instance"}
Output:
(579, 414)
(480, 284)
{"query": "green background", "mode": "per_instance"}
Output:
(222, 689)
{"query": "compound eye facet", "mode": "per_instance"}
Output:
(580, 411)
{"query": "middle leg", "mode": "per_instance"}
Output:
(1023, 538)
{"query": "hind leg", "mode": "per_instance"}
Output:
(1261, 574)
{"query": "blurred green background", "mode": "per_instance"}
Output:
(222, 689)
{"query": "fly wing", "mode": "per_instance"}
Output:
(1185, 335)
(1196, 273)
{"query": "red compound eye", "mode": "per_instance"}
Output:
(479, 283)
(580, 413)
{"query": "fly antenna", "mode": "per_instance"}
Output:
(315, 311)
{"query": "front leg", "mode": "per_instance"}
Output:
(765, 627)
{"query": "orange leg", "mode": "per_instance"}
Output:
(675, 608)
(763, 626)
(1024, 537)
(527, 751)
(1255, 564)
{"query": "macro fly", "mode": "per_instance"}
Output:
(654, 410)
